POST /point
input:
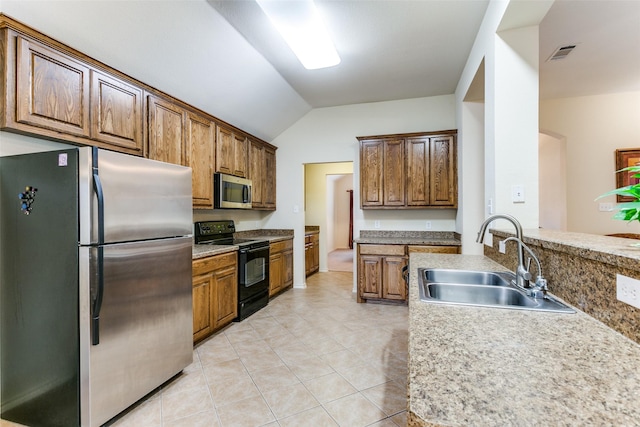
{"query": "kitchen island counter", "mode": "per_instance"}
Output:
(488, 366)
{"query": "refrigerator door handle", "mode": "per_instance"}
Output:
(97, 302)
(97, 187)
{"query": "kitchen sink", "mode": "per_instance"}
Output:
(481, 288)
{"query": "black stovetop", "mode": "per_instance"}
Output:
(221, 233)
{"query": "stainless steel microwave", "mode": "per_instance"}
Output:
(231, 192)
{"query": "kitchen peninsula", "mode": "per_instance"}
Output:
(486, 366)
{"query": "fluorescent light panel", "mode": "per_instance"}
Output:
(300, 25)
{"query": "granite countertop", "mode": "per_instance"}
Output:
(612, 250)
(489, 366)
(393, 237)
(272, 236)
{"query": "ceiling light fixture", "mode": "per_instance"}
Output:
(300, 25)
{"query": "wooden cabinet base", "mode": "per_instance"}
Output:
(215, 294)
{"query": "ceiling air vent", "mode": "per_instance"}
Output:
(561, 52)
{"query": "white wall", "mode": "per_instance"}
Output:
(553, 182)
(507, 42)
(328, 135)
(594, 127)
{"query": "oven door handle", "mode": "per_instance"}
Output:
(254, 250)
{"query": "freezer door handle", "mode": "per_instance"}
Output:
(97, 302)
(97, 187)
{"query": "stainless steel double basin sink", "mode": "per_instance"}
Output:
(481, 288)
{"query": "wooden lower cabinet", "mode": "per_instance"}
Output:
(380, 272)
(215, 293)
(312, 253)
(280, 266)
(380, 269)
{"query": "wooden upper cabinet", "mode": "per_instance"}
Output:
(393, 173)
(240, 153)
(371, 167)
(116, 111)
(269, 175)
(442, 169)
(52, 90)
(417, 171)
(231, 152)
(256, 172)
(262, 172)
(200, 146)
(408, 171)
(166, 131)
(224, 150)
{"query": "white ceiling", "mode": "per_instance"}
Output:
(607, 54)
(407, 49)
(389, 49)
(222, 57)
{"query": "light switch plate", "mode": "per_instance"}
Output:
(502, 247)
(628, 290)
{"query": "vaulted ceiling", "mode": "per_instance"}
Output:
(222, 56)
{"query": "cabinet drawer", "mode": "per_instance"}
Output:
(368, 249)
(434, 249)
(281, 246)
(213, 263)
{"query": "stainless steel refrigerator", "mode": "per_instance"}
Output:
(95, 283)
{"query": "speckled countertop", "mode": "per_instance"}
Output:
(486, 366)
(271, 235)
(612, 250)
(399, 237)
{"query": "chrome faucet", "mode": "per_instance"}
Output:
(522, 274)
(539, 289)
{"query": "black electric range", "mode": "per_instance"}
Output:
(253, 263)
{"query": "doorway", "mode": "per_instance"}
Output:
(328, 188)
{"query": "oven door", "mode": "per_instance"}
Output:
(253, 272)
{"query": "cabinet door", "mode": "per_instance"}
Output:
(371, 164)
(240, 151)
(369, 277)
(394, 286)
(203, 302)
(200, 144)
(166, 131)
(269, 176)
(287, 256)
(52, 89)
(276, 267)
(116, 112)
(417, 171)
(394, 173)
(224, 150)
(443, 172)
(257, 173)
(308, 257)
(226, 295)
(315, 241)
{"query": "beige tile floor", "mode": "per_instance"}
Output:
(312, 357)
